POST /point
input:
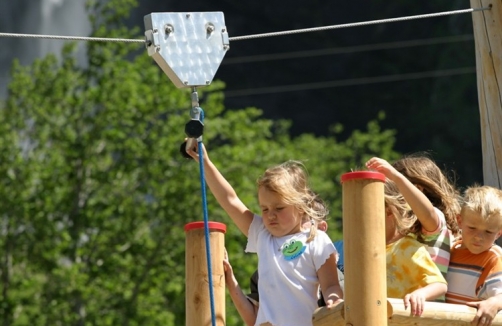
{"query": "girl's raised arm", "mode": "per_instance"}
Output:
(224, 193)
(419, 203)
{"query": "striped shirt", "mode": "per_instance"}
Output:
(438, 243)
(474, 277)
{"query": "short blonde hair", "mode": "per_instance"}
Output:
(483, 200)
(290, 181)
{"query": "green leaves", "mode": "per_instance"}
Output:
(96, 194)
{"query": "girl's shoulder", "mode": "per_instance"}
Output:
(442, 226)
(322, 233)
(442, 218)
(321, 238)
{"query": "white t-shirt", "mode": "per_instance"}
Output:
(289, 287)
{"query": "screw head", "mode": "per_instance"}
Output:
(168, 29)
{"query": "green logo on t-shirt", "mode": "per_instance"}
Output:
(292, 249)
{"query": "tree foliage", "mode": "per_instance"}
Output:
(96, 194)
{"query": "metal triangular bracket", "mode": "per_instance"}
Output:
(188, 47)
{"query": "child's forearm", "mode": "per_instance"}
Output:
(227, 197)
(433, 290)
(247, 310)
(419, 203)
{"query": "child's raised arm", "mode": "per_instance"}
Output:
(224, 193)
(419, 203)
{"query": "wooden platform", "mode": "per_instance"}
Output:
(435, 314)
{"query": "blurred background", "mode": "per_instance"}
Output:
(421, 73)
(95, 194)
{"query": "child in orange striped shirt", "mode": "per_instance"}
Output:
(475, 272)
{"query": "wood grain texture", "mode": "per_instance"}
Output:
(487, 25)
(364, 251)
(197, 298)
(435, 314)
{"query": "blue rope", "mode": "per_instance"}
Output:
(206, 227)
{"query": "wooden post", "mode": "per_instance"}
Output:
(488, 41)
(365, 293)
(197, 298)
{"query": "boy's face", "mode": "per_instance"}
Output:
(478, 235)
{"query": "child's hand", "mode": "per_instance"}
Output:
(191, 148)
(487, 310)
(227, 268)
(416, 300)
(382, 166)
(333, 301)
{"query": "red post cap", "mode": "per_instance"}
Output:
(211, 225)
(363, 175)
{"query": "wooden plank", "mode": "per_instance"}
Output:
(435, 314)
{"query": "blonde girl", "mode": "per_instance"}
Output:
(293, 262)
